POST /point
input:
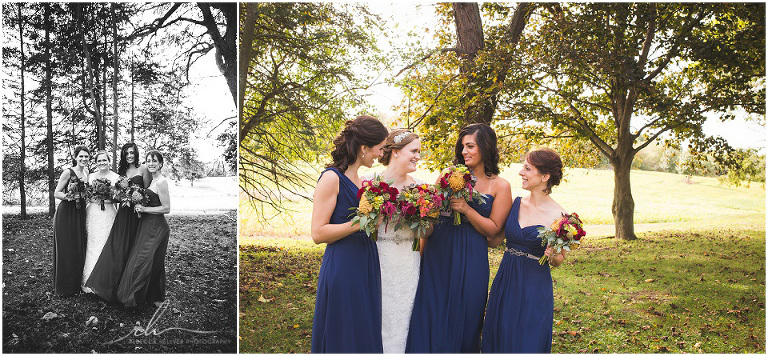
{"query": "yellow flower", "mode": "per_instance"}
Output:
(434, 214)
(365, 206)
(377, 201)
(456, 181)
(555, 225)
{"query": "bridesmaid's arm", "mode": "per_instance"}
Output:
(165, 200)
(323, 204)
(145, 175)
(63, 181)
(493, 225)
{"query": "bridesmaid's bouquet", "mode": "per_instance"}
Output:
(564, 234)
(122, 190)
(457, 182)
(137, 196)
(377, 199)
(419, 207)
(75, 190)
(100, 189)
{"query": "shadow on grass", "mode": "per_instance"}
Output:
(699, 291)
(200, 294)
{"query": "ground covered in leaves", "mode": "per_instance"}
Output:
(201, 267)
(698, 291)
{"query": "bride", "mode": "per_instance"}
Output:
(399, 264)
(98, 223)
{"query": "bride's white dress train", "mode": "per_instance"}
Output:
(98, 224)
(399, 279)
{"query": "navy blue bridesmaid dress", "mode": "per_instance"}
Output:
(348, 305)
(519, 314)
(453, 288)
(143, 280)
(69, 238)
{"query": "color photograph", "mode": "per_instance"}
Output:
(501, 177)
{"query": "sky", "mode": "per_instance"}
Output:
(406, 16)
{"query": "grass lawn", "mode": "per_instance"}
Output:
(201, 277)
(693, 282)
(663, 202)
(695, 291)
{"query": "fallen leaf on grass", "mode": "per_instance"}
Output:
(92, 321)
(49, 316)
(265, 300)
(649, 280)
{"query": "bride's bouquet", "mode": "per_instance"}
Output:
(419, 207)
(377, 200)
(76, 190)
(457, 182)
(100, 189)
(564, 234)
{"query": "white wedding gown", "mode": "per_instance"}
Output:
(98, 224)
(399, 279)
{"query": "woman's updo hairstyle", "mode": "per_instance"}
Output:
(486, 144)
(158, 156)
(396, 140)
(77, 152)
(101, 152)
(363, 131)
(547, 161)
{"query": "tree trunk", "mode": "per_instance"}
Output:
(89, 75)
(116, 60)
(22, 155)
(133, 122)
(623, 208)
(49, 111)
(470, 40)
(246, 43)
(226, 45)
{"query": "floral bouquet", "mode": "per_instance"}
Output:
(100, 189)
(419, 207)
(377, 199)
(457, 182)
(137, 196)
(122, 190)
(75, 190)
(564, 234)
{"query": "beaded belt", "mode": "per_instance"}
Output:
(517, 252)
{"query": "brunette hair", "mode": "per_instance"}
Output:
(390, 145)
(547, 161)
(77, 151)
(158, 156)
(486, 142)
(362, 131)
(122, 167)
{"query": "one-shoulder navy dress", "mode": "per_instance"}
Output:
(348, 305)
(109, 268)
(519, 314)
(453, 287)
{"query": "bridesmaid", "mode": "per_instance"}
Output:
(106, 274)
(348, 306)
(69, 234)
(453, 285)
(143, 281)
(519, 315)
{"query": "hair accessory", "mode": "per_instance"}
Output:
(399, 138)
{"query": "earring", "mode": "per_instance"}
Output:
(395, 155)
(363, 154)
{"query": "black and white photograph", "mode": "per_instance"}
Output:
(119, 177)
